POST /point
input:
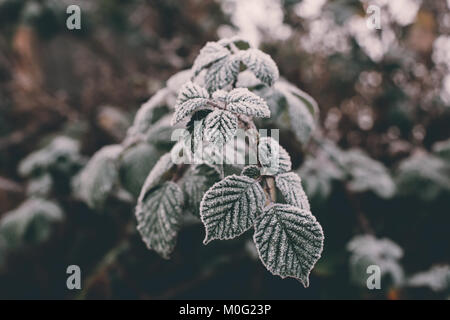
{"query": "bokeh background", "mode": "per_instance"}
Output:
(385, 92)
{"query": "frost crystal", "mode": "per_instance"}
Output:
(289, 241)
(230, 206)
(291, 188)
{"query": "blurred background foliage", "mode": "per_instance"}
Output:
(377, 168)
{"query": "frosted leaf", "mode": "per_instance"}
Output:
(147, 115)
(251, 171)
(318, 174)
(289, 241)
(31, 223)
(243, 101)
(261, 64)
(158, 214)
(97, 179)
(195, 182)
(291, 188)
(220, 127)
(367, 174)
(135, 166)
(301, 110)
(229, 207)
(424, 176)
(40, 186)
(367, 250)
(437, 278)
(190, 98)
(161, 168)
(273, 157)
(60, 154)
(209, 54)
(222, 73)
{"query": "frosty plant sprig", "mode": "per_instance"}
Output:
(264, 195)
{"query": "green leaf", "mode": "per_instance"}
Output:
(291, 188)
(209, 54)
(220, 127)
(159, 217)
(289, 241)
(190, 98)
(273, 157)
(97, 179)
(242, 101)
(261, 64)
(230, 206)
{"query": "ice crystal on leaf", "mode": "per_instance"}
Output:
(220, 127)
(289, 241)
(224, 93)
(243, 101)
(159, 217)
(230, 206)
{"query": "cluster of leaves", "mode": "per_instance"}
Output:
(48, 170)
(223, 92)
